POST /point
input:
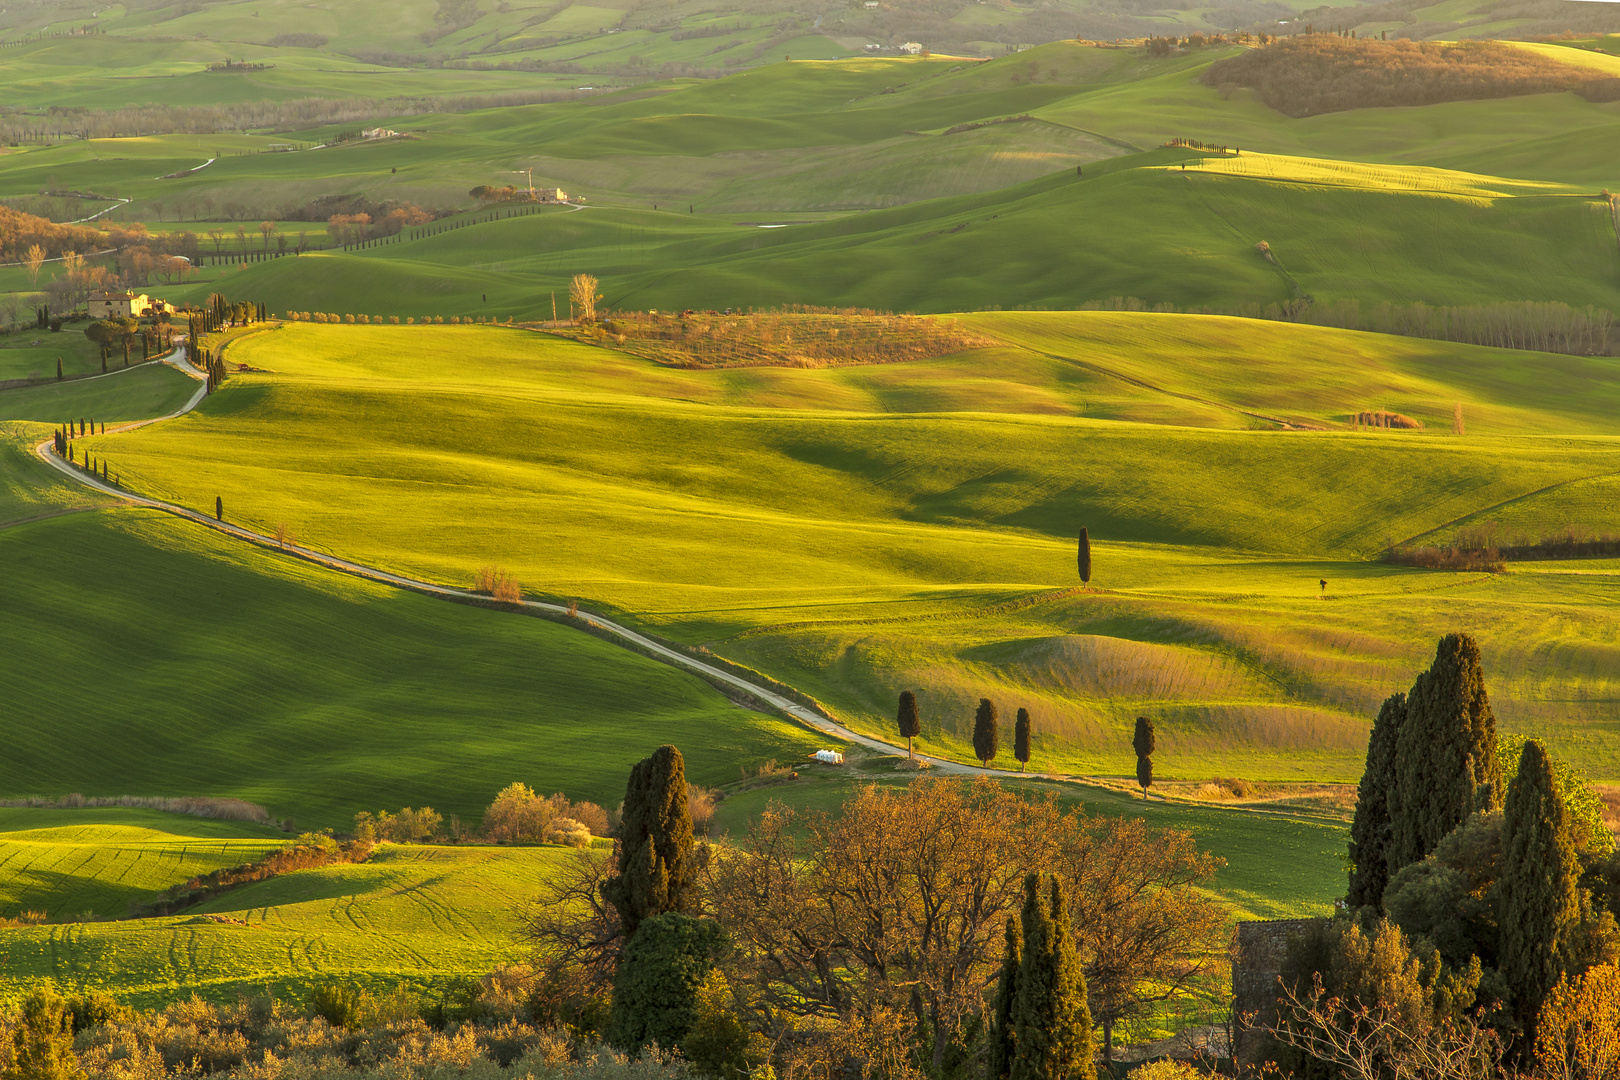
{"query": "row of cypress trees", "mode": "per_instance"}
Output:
(986, 730)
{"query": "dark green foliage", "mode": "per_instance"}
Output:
(1144, 774)
(656, 991)
(986, 731)
(1085, 557)
(1051, 1021)
(909, 723)
(1446, 898)
(1143, 740)
(656, 864)
(338, 1004)
(1445, 753)
(1537, 904)
(1003, 1041)
(219, 508)
(42, 1044)
(1370, 831)
(94, 1008)
(58, 369)
(1021, 738)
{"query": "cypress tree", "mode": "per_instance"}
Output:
(219, 508)
(1537, 904)
(58, 369)
(1085, 557)
(907, 720)
(986, 737)
(1445, 754)
(1051, 1022)
(1002, 1038)
(1021, 739)
(1370, 831)
(1144, 741)
(656, 867)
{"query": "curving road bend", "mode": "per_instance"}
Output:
(809, 717)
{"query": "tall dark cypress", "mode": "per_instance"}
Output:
(1085, 557)
(1021, 739)
(1537, 905)
(656, 865)
(1003, 1041)
(986, 733)
(1144, 741)
(219, 508)
(906, 719)
(1445, 754)
(1370, 831)
(1051, 1021)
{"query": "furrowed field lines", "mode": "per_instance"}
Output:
(73, 863)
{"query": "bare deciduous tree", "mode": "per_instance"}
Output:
(582, 291)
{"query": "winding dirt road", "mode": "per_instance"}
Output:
(811, 718)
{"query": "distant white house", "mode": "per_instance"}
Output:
(911, 47)
(126, 305)
(870, 5)
(378, 133)
(874, 48)
(551, 195)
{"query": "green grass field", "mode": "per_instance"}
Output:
(206, 668)
(142, 391)
(70, 864)
(875, 531)
(411, 915)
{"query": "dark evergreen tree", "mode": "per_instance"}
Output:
(1445, 754)
(1370, 830)
(219, 508)
(907, 720)
(1051, 1021)
(655, 857)
(58, 369)
(1003, 1041)
(1085, 557)
(1021, 739)
(986, 733)
(1538, 907)
(1143, 739)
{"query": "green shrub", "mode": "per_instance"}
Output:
(338, 1004)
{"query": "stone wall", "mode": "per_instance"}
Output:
(1256, 963)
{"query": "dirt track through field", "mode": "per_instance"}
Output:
(811, 718)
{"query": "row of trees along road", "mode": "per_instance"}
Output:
(876, 935)
(986, 730)
(1478, 937)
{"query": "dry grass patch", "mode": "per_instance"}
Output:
(804, 337)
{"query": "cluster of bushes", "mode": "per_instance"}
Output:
(1479, 927)
(191, 805)
(356, 227)
(478, 1029)
(518, 815)
(1482, 548)
(1320, 73)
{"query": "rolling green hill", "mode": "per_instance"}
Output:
(876, 535)
(189, 665)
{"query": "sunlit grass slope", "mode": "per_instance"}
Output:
(413, 915)
(73, 863)
(1139, 226)
(856, 531)
(186, 664)
(153, 389)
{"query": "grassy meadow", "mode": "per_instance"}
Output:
(877, 535)
(205, 667)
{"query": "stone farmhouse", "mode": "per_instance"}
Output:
(126, 305)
